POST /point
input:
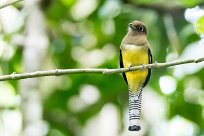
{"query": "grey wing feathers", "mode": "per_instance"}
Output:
(121, 66)
(149, 70)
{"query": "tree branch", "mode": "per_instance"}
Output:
(9, 3)
(59, 72)
(161, 8)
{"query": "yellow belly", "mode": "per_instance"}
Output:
(133, 57)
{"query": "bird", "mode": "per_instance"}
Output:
(134, 51)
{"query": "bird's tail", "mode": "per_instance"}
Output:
(135, 110)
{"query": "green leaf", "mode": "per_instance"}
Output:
(200, 25)
(68, 3)
(190, 3)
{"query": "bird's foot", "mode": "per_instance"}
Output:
(129, 68)
(143, 67)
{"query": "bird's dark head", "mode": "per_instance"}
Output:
(137, 27)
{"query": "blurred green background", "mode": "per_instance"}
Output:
(87, 34)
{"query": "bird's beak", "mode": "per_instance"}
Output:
(132, 26)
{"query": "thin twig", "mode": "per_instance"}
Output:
(9, 3)
(59, 72)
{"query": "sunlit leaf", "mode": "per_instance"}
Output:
(200, 25)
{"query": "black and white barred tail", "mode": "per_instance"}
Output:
(135, 110)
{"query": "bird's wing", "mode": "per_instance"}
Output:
(149, 70)
(121, 66)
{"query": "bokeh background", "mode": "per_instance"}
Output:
(62, 34)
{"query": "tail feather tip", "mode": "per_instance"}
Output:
(134, 128)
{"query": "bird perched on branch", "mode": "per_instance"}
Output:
(135, 50)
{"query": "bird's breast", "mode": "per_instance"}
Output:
(135, 55)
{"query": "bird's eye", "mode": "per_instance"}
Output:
(141, 28)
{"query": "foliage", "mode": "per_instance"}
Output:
(199, 25)
(87, 33)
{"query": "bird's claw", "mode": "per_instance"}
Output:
(129, 68)
(143, 67)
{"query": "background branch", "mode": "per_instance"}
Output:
(9, 3)
(160, 8)
(59, 72)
